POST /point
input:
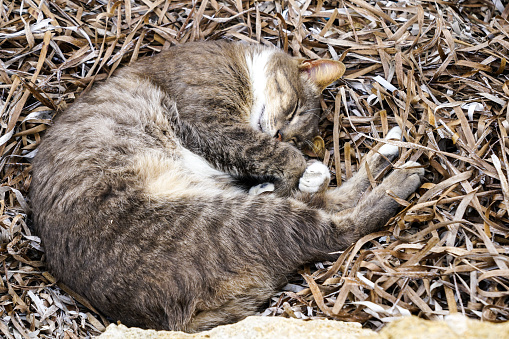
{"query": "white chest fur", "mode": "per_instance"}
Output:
(256, 65)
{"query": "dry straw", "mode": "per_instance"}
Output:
(435, 68)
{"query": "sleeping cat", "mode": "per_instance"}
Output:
(139, 189)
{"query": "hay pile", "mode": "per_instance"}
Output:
(438, 69)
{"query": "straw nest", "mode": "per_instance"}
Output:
(435, 68)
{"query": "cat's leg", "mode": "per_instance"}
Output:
(349, 193)
(241, 151)
(375, 209)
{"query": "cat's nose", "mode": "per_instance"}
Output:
(278, 135)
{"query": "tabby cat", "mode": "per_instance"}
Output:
(141, 189)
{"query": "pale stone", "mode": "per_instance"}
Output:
(253, 328)
(453, 327)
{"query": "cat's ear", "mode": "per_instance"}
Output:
(322, 72)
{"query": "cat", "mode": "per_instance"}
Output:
(142, 196)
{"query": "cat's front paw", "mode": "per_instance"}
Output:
(316, 178)
(261, 188)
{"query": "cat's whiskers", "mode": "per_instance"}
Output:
(273, 124)
(310, 144)
(313, 109)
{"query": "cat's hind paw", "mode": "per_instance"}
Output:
(404, 180)
(315, 178)
(415, 167)
(261, 188)
(388, 150)
(395, 133)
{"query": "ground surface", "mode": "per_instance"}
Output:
(436, 69)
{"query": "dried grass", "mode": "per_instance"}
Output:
(438, 69)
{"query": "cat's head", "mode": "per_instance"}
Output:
(286, 94)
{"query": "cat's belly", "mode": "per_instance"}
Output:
(184, 174)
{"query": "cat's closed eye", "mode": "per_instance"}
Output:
(293, 111)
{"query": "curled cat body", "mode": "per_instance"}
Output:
(141, 189)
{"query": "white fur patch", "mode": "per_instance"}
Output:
(394, 133)
(391, 150)
(163, 176)
(262, 188)
(314, 177)
(190, 175)
(197, 165)
(256, 66)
